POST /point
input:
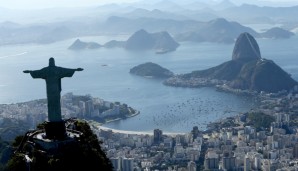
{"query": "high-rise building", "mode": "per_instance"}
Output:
(229, 163)
(295, 151)
(157, 136)
(211, 163)
(116, 162)
(191, 166)
(127, 164)
(257, 163)
(82, 108)
(89, 107)
(246, 164)
(122, 164)
(195, 132)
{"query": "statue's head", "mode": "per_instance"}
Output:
(51, 61)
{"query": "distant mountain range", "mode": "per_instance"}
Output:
(14, 33)
(246, 71)
(115, 24)
(176, 5)
(187, 21)
(219, 30)
(155, 13)
(247, 13)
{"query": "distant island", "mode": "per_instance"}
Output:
(160, 42)
(78, 45)
(247, 71)
(151, 70)
(277, 33)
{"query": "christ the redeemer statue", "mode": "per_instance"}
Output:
(53, 75)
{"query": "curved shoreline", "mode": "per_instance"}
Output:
(258, 97)
(100, 127)
(117, 119)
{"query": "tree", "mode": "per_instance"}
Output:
(83, 153)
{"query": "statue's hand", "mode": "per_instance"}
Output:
(26, 71)
(80, 69)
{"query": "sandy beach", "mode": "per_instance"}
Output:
(100, 127)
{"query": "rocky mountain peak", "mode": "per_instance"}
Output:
(140, 40)
(246, 47)
(160, 41)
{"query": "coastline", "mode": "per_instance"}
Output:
(257, 96)
(100, 127)
(212, 83)
(117, 119)
(219, 85)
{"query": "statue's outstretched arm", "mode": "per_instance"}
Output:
(26, 71)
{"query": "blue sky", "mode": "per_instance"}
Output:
(39, 4)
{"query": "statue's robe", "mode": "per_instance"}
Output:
(53, 75)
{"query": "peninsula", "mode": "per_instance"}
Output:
(247, 72)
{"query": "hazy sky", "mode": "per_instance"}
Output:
(37, 4)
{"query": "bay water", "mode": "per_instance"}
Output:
(106, 76)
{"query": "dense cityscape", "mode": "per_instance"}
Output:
(236, 146)
(262, 139)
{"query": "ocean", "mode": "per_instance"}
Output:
(106, 76)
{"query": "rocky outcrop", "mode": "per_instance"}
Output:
(277, 33)
(263, 75)
(164, 42)
(150, 69)
(79, 45)
(78, 150)
(142, 40)
(114, 44)
(246, 47)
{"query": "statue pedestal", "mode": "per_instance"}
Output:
(55, 130)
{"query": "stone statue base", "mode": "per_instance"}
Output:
(55, 130)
